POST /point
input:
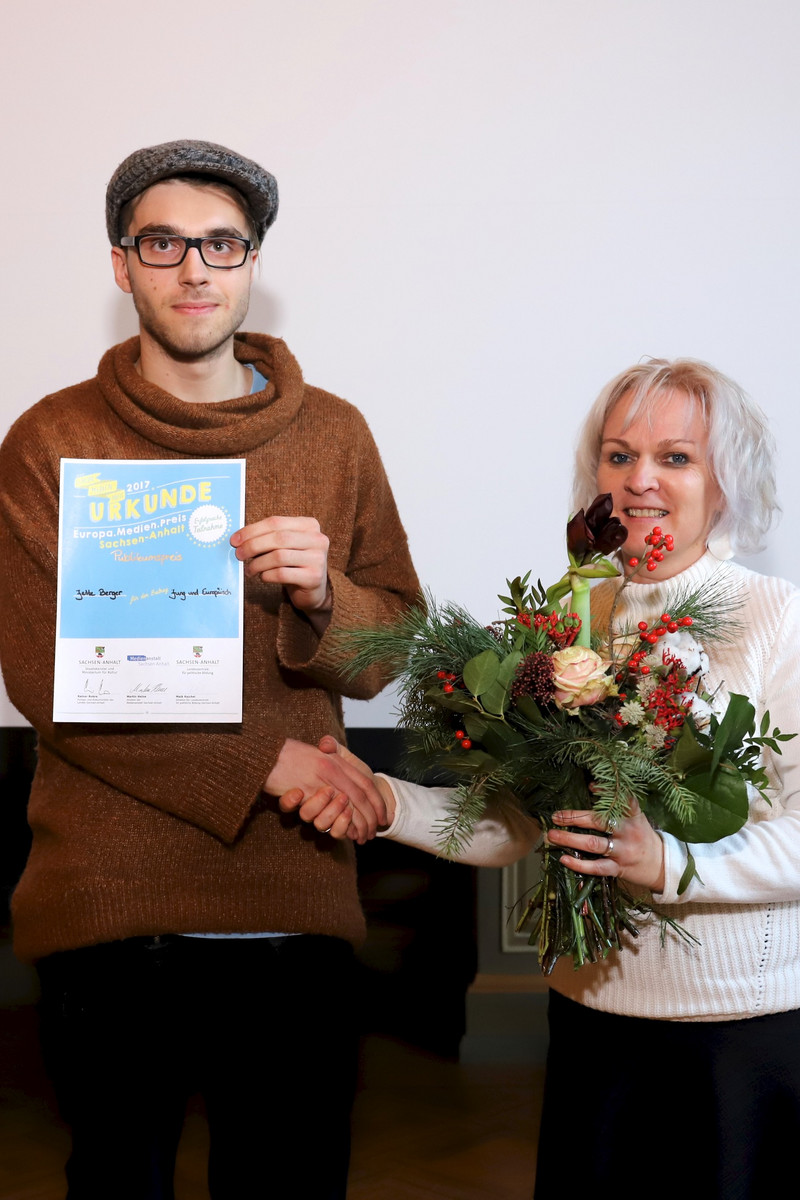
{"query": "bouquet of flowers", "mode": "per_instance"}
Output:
(540, 705)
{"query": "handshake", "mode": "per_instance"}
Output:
(331, 789)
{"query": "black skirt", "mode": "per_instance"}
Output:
(672, 1109)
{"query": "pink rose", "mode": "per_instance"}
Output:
(580, 677)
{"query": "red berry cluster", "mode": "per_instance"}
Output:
(666, 625)
(448, 679)
(658, 543)
(667, 701)
(561, 629)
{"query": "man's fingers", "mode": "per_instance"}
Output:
(313, 770)
(282, 548)
(325, 807)
(327, 810)
(291, 800)
(271, 527)
(347, 779)
(298, 559)
(309, 808)
(342, 825)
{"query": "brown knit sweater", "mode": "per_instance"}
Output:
(141, 830)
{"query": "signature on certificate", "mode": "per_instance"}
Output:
(105, 593)
(96, 686)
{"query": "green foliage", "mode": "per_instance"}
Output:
(689, 873)
(468, 726)
(465, 808)
(548, 758)
(712, 608)
(425, 639)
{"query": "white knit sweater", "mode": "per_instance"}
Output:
(746, 912)
(503, 834)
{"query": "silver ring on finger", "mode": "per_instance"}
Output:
(609, 847)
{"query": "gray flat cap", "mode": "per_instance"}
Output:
(143, 168)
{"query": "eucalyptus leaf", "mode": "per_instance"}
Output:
(456, 701)
(528, 708)
(476, 726)
(508, 667)
(502, 741)
(474, 760)
(495, 698)
(480, 672)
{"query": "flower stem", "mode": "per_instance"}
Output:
(581, 597)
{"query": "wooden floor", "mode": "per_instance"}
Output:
(424, 1128)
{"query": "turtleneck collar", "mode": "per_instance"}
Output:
(227, 428)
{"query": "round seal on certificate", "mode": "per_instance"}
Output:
(208, 524)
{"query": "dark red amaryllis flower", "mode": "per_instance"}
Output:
(595, 531)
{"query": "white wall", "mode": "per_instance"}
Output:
(488, 208)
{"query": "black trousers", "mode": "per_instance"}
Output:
(668, 1109)
(262, 1028)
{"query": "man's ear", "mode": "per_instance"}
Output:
(119, 262)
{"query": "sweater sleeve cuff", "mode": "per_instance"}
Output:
(416, 809)
(502, 835)
(323, 658)
(221, 802)
(299, 647)
(675, 861)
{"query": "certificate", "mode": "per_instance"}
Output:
(150, 597)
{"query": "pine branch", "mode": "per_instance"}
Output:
(467, 806)
(712, 607)
(423, 641)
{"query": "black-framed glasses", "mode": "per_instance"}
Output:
(170, 249)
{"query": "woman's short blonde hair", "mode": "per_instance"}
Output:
(741, 448)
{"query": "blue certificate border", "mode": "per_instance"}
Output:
(144, 548)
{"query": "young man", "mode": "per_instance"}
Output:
(146, 837)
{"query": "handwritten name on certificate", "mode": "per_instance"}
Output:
(150, 592)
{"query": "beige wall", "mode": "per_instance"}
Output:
(488, 208)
